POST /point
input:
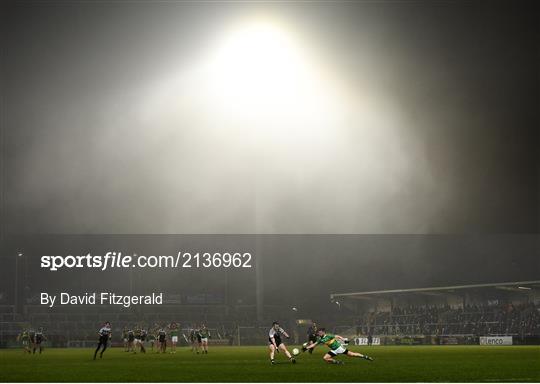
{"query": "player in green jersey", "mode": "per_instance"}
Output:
(335, 343)
(125, 339)
(131, 340)
(205, 335)
(173, 332)
(152, 338)
(138, 342)
(24, 338)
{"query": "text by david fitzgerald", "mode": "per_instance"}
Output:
(100, 298)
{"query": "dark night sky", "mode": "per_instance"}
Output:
(107, 129)
(456, 88)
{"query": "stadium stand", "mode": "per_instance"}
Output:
(462, 312)
(457, 314)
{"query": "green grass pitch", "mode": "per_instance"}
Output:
(251, 364)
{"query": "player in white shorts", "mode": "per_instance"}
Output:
(275, 344)
(173, 331)
(205, 335)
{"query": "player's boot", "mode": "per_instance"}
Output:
(293, 360)
(337, 362)
(272, 362)
(367, 358)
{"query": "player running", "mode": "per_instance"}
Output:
(275, 343)
(334, 342)
(24, 338)
(138, 343)
(205, 335)
(144, 337)
(104, 335)
(32, 336)
(38, 339)
(131, 341)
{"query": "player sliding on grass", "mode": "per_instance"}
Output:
(275, 343)
(334, 342)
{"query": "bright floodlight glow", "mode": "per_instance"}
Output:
(269, 104)
(255, 64)
(258, 77)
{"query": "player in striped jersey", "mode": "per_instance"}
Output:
(104, 336)
(276, 344)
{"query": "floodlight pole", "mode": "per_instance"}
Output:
(259, 281)
(16, 294)
(16, 291)
(259, 287)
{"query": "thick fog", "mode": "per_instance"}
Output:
(287, 270)
(121, 118)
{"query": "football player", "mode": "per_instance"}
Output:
(275, 344)
(336, 345)
(205, 335)
(104, 337)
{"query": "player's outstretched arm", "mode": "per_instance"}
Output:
(311, 345)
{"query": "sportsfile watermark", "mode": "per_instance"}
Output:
(111, 260)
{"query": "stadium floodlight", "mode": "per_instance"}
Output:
(259, 78)
(255, 64)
